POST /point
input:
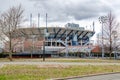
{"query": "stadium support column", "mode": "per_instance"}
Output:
(93, 27)
(51, 42)
(43, 50)
(71, 42)
(89, 50)
(81, 42)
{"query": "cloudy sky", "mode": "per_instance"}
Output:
(60, 12)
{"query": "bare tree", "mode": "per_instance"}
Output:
(9, 22)
(110, 33)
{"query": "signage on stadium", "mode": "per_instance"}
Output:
(74, 26)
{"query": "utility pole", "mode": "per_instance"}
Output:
(66, 55)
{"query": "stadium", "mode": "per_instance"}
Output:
(51, 41)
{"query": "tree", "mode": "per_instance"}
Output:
(110, 33)
(9, 22)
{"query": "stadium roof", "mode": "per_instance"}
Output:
(54, 32)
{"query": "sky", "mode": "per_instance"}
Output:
(60, 12)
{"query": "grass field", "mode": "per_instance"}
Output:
(38, 72)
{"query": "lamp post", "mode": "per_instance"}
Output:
(115, 36)
(102, 20)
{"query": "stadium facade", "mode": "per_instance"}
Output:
(52, 40)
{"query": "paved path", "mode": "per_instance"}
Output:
(54, 63)
(57, 63)
(100, 77)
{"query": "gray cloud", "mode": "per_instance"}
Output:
(62, 10)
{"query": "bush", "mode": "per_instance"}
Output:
(3, 55)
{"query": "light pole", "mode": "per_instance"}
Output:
(115, 56)
(102, 20)
(115, 36)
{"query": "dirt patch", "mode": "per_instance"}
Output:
(53, 66)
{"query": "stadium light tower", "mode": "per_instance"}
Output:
(38, 19)
(31, 20)
(102, 20)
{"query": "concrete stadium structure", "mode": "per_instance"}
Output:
(70, 38)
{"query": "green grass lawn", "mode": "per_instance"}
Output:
(36, 72)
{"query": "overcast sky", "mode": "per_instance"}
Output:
(62, 11)
(83, 12)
